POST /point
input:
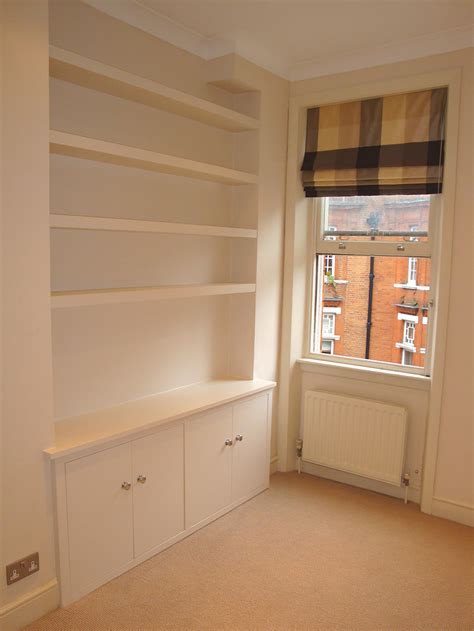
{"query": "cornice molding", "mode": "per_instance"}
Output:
(403, 50)
(140, 15)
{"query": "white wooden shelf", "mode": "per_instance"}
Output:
(82, 298)
(74, 68)
(102, 151)
(81, 222)
(76, 434)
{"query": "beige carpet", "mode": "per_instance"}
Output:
(308, 554)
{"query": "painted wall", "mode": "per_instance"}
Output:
(27, 403)
(27, 406)
(454, 475)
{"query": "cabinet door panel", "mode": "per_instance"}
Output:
(99, 512)
(250, 466)
(158, 502)
(208, 465)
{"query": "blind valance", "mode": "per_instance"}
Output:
(381, 146)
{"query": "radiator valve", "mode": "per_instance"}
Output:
(406, 479)
(299, 447)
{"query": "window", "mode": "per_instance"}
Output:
(407, 357)
(409, 333)
(329, 265)
(411, 271)
(382, 253)
(328, 324)
(327, 347)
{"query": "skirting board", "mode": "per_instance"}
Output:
(447, 509)
(362, 483)
(30, 607)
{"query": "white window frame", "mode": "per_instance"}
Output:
(331, 346)
(412, 271)
(320, 246)
(405, 352)
(407, 246)
(409, 332)
(329, 264)
(329, 317)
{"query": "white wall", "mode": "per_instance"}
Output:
(27, 406)
(27, 416)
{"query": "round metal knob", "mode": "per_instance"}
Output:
(228, 442)
(239, 437)
(141, 479)
(126, 486)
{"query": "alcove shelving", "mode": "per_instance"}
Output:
(69, 66)
(81, 222)
(154, 206)
(101, 151)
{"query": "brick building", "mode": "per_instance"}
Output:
(376, 307)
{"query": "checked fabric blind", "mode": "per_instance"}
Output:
(381, 146)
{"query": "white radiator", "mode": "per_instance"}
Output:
(359, 436)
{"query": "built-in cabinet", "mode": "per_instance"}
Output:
(161, 425)
(118, 504)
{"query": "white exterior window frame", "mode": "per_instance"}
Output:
(329, 264)
(328, 334)
(409, 332)
(412, 271)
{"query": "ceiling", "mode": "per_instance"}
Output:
(297, 39)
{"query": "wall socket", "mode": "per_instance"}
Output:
(22, 568)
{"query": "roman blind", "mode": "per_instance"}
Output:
(387, 145)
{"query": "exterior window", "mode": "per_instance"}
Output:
(329, 264)
(327, 347)
(407, 357)
(409, 333)
(411, 271)
(382, 253)
(328, 324)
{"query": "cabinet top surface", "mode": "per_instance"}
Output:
(76, 434)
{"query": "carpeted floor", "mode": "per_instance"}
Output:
(307, 554)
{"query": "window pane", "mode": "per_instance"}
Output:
(370, 310)
(389, 214)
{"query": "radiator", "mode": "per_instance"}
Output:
(355, 435)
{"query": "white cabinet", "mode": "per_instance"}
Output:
(122, 503)
(250, 460)
(208, 465)
(119, 505)
(158, 488)
(226, 457)
(99, 516)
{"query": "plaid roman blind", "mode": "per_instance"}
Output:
(381, 146)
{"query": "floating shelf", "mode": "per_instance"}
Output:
(74, 68)
(102, 151)
(80, 222)
(83, 298)
(77, 433)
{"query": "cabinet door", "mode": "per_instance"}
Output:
(208, 465)
(99, 510)
(250, 465)
(158, 493)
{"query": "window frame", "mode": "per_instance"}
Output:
(414, 249)
(412, 271)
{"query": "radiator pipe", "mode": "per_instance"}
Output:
(369, 307)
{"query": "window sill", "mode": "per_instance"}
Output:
(365, 373)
